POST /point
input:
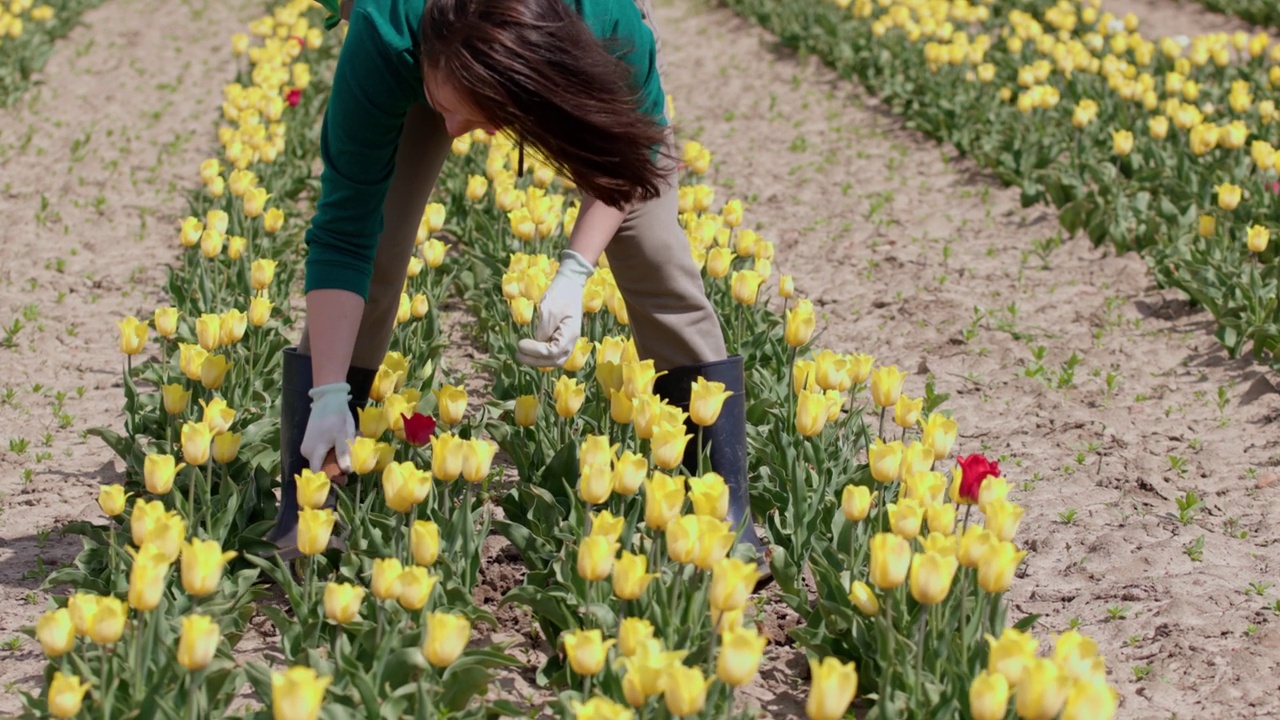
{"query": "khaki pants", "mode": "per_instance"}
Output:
(671, 318)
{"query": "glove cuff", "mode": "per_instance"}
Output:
(333, 393)
(574, 265)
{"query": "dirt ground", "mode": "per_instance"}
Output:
(912, 255)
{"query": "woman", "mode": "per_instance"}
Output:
(579, 81)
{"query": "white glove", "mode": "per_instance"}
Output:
(331, 426)
(559, 315)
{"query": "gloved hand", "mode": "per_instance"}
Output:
(330, 427)
(559, 315)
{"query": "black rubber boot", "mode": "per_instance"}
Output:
(295, 411)
(726, 442)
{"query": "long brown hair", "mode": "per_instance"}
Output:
(534, 67)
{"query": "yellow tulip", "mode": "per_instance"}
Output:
(273, 220)
(931, 576)
(732, 582)
(1258, 239)
(886, 385)
(599, 708)
(1085, 112)
(446, 456)
(719, 262)
(66, 694)
(645, 413)
(890, 560)
(941, 518)
(629, 576)
(314, 529)
(477, 187)
(663, 499)
(906, 412)
(166, 320)
(811, 413)
(176, 398)
(989, 696)
(580, 355)
(236, 244)
(685, 690)
(855, 502)
(202, 564)
(451, 404)
(342, 602)
(526, 410)
(414, 586)
(596, 450)
(786, 286)
(939, 434)
(447, 637)
(864, 598)
(404, 485)
(1090, 701)
(715, 539)
(916, 459)
(587, 651)
(1121, 142)
(595, 484)
(568, 394)
(973, 544)
(254, 201)
(477, 457)
(213, 371)
(56, 632)
(111, 498)
(595, 557)
(1041, 692)
(857, 370)
(905, 517)
(668, 445)
(833, 685)
(996, 567)
(800, 324)
(830, 371)
(638, 378)
(166, 533)
(209, 331)
(260, 310)
(710, 495)
(629, 473)
(706, 400)
(133, 335)
(147, 578)
(1003, 518)
(386, 571)
(297, 693)
(232, 326)
(108, 621)
(993, 489)
(82, 607)
(745, 286)
(226, 447)
(144, 518)
(885, 460)
(313, 489)
(632, 632)
(682, 539)
(1229, 196)
(1158, 126)
(1076, 654)
(424, 542)
(198, 642)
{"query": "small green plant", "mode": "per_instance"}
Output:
(1195, 550)
(1067, 516)
(1257, 588)
(12, 644)
(1251, 630)
(1075, 622)
(1117, 612)
(1036, 367)
(10, 339)
(1133, 640)
(19, 445)
(1140, 672)
(1178, 464)
(1188, 504)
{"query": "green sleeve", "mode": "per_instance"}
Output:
(358, 142)
(640, 53)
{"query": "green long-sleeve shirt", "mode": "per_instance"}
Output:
(378, 78)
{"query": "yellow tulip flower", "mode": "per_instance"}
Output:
(668, 445)
(166, 533)
(175, 398)
(1041, 692)
(111, 498)
(710, 495)
(682, 539)
(905, 518)
(864, 598)
(1229, 196)
(166, 320)
(745, 285)
(595, 484)
(629, 473)
(447, 637)
(213, 371)
(885, 460)
(446, 456)
(685, 690)
(916, 459)
(706, 400)
(629, 576)
(1003, 518)
(386, 571)
(931, 576)
(297, 693)
(664, 497)
(890, 560)
(314, 529)
(996, 566)
(787, 287)
(569, 395)
(715, 539)
(1090, 701)
(595, 557)
(631, 633)
(82, 607)
(1258, 239)
(424, 542)
(886, 385)
(941, 518)
(732, 582)
(800, 323)
(989, 696)
(645, 413)
(855, 502)
(404, 485)
(226, 447)
(939, 434)
(451, 404)
(198, 642)
(202, 564)
(587, 651)
(147, 578)
(133, 335)
(260, 310)
(342, 602)
(906, 412)
(66, 694)
(56, 632)
(526, 410)
(477, 457)
(833, 685)
(108, 621)
(811, 413)
(414, 586)
(232, 326)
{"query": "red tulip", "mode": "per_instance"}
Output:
(294, 97)
(419, 428)
(974, 469)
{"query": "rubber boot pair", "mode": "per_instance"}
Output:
(295, 411)
(725, 442)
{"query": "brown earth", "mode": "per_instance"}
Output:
(913, 255)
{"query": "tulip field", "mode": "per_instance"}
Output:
(998, 476)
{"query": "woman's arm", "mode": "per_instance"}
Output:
(335, 321)
(597, 224)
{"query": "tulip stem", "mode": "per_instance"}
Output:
(106, 696)
(191, 502)
(191, 695)
(920, 626)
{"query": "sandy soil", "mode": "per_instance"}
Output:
(913, 255)
(94, 166)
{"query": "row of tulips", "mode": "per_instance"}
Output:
(28, 30)
(1258, 12)
(1163, 145)
(632, 574)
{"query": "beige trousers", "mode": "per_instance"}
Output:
(671, 319)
